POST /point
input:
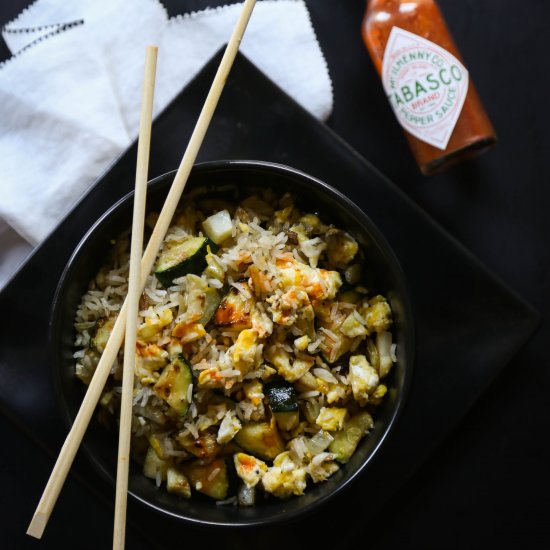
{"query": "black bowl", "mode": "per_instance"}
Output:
(231, 178)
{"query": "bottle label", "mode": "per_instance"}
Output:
(426, 86)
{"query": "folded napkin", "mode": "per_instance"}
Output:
(70, 98)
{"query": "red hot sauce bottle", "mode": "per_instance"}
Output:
(428, 86)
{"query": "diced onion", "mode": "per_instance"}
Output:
(218, 227)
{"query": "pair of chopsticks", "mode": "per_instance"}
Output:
(137, 278)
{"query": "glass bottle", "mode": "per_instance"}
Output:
(426, 82)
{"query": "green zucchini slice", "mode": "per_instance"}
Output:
(177, 483)
(281, 396)
(210, 479)
(154, 465)
(345, 441)
(235, 310)
(202, 299)
(173, 385)
(183, 257)
(260, 439)
(203, 447)
(283, 403)
(287, 420)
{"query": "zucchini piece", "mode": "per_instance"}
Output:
(210, 479)
(218, 227)
(217, 397)
(310, 410)
(349, 296)
(186, 256)
(346, 440)
(154, 465)
(211, 302)
(305, 321)
(205, 446)
(214, 269)
(281, 396)
(177, 483)
(155, 444)
(260, 439)
(283, 402)
(173, 385)
(230, 449)
(202, 300)
(235, 310)
(287, 420)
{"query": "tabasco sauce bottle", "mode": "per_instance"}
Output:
(427, 84)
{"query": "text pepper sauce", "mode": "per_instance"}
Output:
(426, 82)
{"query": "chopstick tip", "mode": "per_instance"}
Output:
(37, 525)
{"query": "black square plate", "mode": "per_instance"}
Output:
(469, 325)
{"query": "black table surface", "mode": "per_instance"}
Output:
(487, 485)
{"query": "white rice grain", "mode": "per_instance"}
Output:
(393, 352)
(325, 375)
(230, 500)
(329, 333)
(308, 394)
(213, 474)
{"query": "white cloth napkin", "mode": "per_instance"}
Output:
(70, 98)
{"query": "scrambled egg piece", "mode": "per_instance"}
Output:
(280, 358)
(336, 392)
(174, 347)
(188, 332)
(262, 323)
(378, 394)
(302, 343)
(153, 325)
(363, 377)
(352, 327)
(284, 478)
(341, 247)
(321, 467)
(277, 356)
(377, 315)
(285, 308)
(312, 249)
(244, 352)
(319, 284)
(228, 428)
(150, 356)
(259, 281)
(331, 418)
(211, 378)
(249, 468)
(299, 367)
(254, 392)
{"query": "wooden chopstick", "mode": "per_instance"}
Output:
(76, 433)
(134, 294)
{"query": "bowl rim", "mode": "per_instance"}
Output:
(408, 320)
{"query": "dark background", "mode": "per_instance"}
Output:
(487, 486)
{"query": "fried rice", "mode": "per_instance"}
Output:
(262, 354)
